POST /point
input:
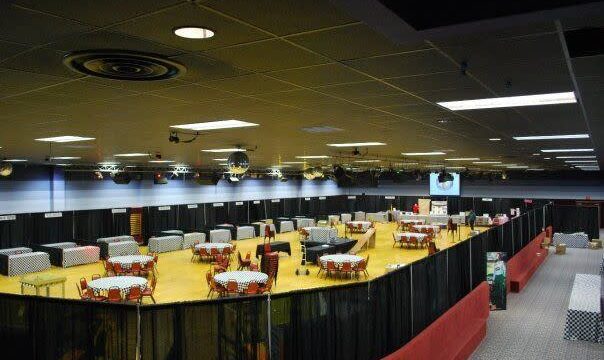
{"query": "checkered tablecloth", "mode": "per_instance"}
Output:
(15, 251)
(173, 232)
(113, 239)
(333, 219)
(436, 228)
(28, 262)
(304, 222)
(339, 259)
(359, 216)
(218, 246)
(413, 222)
(346, 217)
(379, 217)
(124, 283)
(408, 235)
(602, 266)
(262, 226)
(571, 240)
(243, 278)
(364, 224)
(62, 245)
(321, 234)
(190, 239)
(81, 255)
(245, 232)
(286, 226)
(165, 243)
(583, 317)
(127, 260)
(220, 235)
(122, 248)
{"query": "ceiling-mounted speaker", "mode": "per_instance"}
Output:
(160, 178)
(121, 178)
(210, 179)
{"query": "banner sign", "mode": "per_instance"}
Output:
(256, 201)
(487, 199)
(528, 201)
(118, 211)
(239, 203)
(163, 208)
(275, 200)
(306, 199)
(218, 204)
(8, 217)
(53, 215)
(496, 278)
(389, 197)
(352, 197)
(192, 206)
(322, 198)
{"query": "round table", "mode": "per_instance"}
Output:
(436, 228)
(124, 283)
(339, 259)
(405, 221)
(127, 260)
(242, 278)
(218, 246)
(408, 235)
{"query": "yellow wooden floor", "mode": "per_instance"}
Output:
(179, 279)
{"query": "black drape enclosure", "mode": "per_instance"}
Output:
(191, 217)
(290, 207)
(257, 211)
(217, 214)
(49, 228)
(569, 219)
(336, 205)
(273, 208)
(322, 208)
(478, 247)
(90, 225)
(351, 204)
(160, 218)
(14, 230)
(238, 212)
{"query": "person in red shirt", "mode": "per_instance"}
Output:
(415, 208)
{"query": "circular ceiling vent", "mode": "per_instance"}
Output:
(123, 65)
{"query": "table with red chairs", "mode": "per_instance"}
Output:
(220, 247)
(242, 278)
(124, 283)
(405, 237)
(420, 228)
(126, 261)
(339, 259)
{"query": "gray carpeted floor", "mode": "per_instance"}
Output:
(533, 325)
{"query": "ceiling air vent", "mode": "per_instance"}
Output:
(123, 65)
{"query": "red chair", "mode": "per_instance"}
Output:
(114, 295)
(395, 241)
(267, 287)
(413, 241)
(331, 267)
(136, 269)
(232, 287)
(254, 267)
(83, 284)
(148, 292)
(88, 294)
(194, 253)
(268, 233)
(214, 253)
(209, 280)
(252, 288)
(361, 266)
(108, 269)
(346, 268)
(96, 276)
(155, 259)
(243, 263)
(322, 267)
(204, 254)
(147, 269)
(267, 248)
(117, 268)
(135, 294)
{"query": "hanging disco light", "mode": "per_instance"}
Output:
(6, 169)
(309, 174)
(238, 163)
(317, 172)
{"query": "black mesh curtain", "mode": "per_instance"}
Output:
(467, 204)
(216, 214)
(47, 328)
(160, 218)
(290, 207)
(257, 211)
(429, 289)
(13, 233)
(506, 234)
(221, 329)
(237, 212)
(386, 204)
(322, 207)
(336, 204)
(524, 220)
(190, 217)
(453, 204)
(351, 205)
(313, 207)
(570, 219)
(46, 230)
(90, 225)
(478, 245)
(305, 205)
(517, 234)
(458, 269)
(120, 223)
(273, 208)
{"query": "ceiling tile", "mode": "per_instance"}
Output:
(359, 90)
(266, 56)
(159, 27)
(351, 42)
(406, 64)
(284, 16)
(299, 98)
(389, 100)
(13, 82)
(8, 49)
(202, 68)
(88, 11)
(320, 75)
(194, 93)
(42, 61)
(249, 84)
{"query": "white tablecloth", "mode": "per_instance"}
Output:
(364, 224)
(245, 232)
(218, 246)
(321, 234)
(413, 222)
(304, 222)
(124, 283)
(339, 259)
(571, 240)
(243, 278)
(346, 217)
(113, 239)
(408, 235)
(15, 251)
(81, 255)
(122, 248)
(333, 219)
(190, 238)
(379, 217)
(359, 216)
(127, 260)
(436, 228)
(286, 226)
(62, 245)
(583, 317)
(165, 243)
(220, 235)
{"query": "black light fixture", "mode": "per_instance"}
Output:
(160, 178)
(173, 138)
(121, 177)
(444, 176)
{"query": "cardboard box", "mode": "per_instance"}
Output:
(561, 249)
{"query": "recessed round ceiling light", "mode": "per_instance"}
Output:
(193, 32)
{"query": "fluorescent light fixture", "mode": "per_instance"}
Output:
(408, 163)
(577, 157)
(432, 166)
(494, 139)
(518, 167)
(215, 125)
(293, 162)
(511, 101)
(221, 159)
(233, 178)
(552, 137)
(223, 164)
(547, 158)
(14, 160)
(581, 161)
(313, 157)
(193, 32)
(424, 153)
(486, 162)
(161, 161)
(227, 150)
(591, 169)
(566, 150)
(534, 169)
(65, 139)
(62, 164)
(504, 165)
(462, 159)
(455, 167)
(131, 155)
(65, 158)
(357, 144)
(367, 161)
(536, 154)
(108, 163)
